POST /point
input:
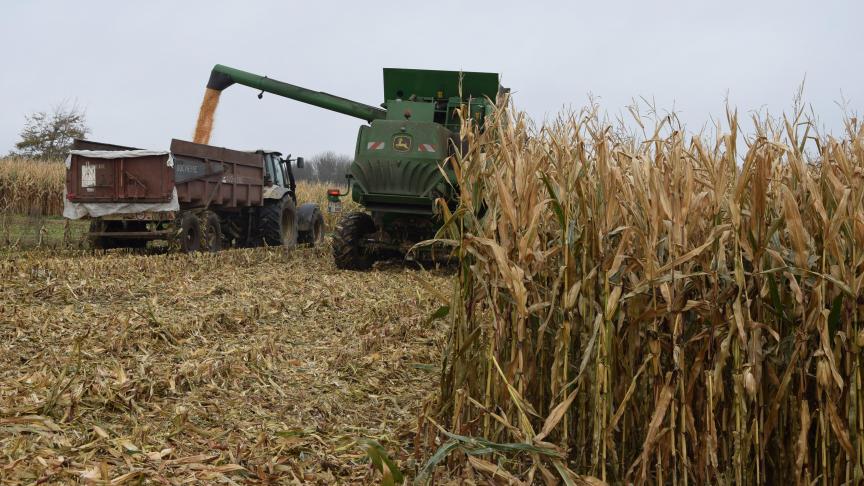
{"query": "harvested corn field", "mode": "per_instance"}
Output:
(251, 366)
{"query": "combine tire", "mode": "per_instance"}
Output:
(190, 233)
(212, 232)
(348, 250)
(278, 223)
(311, 216)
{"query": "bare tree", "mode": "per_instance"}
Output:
(328, 167)
(49, 134)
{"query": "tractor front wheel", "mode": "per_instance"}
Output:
(349, 250)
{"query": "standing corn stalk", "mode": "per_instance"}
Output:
(658, 308)
(32, 187)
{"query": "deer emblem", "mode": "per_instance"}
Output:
(402, 143)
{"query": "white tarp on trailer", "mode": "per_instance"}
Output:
(118, 154)
(73, 210)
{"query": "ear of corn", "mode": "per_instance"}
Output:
(661, 308)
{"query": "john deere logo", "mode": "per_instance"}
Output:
(402, 143)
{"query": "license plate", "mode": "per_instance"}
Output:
(334, 207)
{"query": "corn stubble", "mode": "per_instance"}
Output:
(250, 366)
(652, 308)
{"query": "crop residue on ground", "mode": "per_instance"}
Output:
(246, 365)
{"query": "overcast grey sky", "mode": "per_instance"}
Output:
(140, 68)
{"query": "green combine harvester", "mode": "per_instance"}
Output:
(399, 162)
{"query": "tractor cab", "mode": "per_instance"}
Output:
(282, 220)
(278, 176)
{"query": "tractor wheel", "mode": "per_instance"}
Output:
(278, 223)
(348, 250)
(315, 235)
(190, 233)
(212, 232)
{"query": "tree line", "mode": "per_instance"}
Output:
(325, 167)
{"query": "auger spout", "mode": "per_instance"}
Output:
(223, 76)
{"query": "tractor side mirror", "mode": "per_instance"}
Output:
(299, 162)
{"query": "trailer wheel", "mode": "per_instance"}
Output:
(190, 233)
(348, 250)
(212, 232)
(311, 217)
(100, 242)
(278, 223)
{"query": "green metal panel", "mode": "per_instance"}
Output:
(408, 177)
(387, 173)
(223, 76)
(427, 83)
(395, 200)
(410, 110)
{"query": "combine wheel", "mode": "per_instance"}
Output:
(278, 223)
(212, 232)
(310, 216)
(190, 233)
(348, 250)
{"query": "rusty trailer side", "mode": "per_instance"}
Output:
(141, 179)
(208, 176)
